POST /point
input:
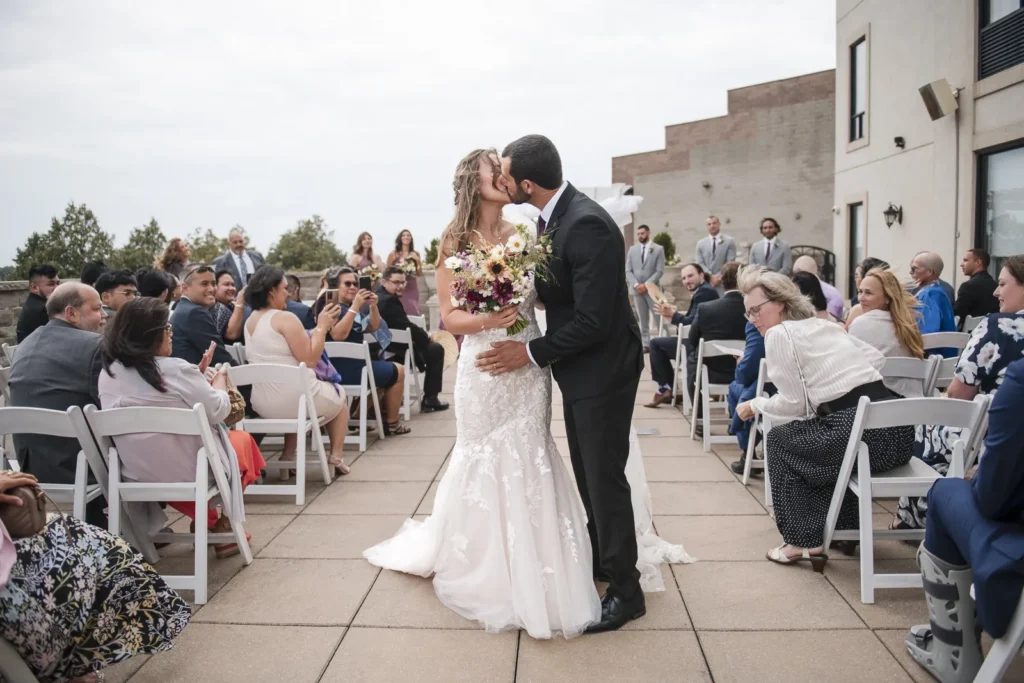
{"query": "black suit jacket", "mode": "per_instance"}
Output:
(975, 297)
(393, 313)
(194, 328)
(702, 294)
(593, 340)
(721, 319)
(33, 316)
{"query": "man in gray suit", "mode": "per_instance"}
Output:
(238, 260)
(772, 252)
(645, 264)
(57, 367)
(714, 251)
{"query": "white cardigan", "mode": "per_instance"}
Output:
(876, 328)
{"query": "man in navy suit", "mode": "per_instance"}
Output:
(975, 535)
(743, 388)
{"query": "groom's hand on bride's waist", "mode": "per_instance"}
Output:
(503, 357)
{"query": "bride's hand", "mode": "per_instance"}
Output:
(502, 319)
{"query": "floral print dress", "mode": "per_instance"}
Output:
(997, 341)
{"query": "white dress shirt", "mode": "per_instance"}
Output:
(244, 265)
(545, 214)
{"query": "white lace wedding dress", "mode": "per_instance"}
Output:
(507, 540)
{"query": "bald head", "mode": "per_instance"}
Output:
(78, 305)
(236, 241)
(926, 267)
(806, 264)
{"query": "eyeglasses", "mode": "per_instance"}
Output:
(754, 312)
(348, 284)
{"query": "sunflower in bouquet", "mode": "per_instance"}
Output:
(371, 271)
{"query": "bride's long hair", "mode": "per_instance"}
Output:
(467, 202)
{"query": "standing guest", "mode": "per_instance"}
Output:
(997, 341)
(862, 269)
(936, 307)
(714, 251)
(175, 257)
(195, 330)
(743, 388)
(55, 368)
(42, 280)
(240, 261)
(977, 295)
(645, 264)
(229, 307)
(807, 264)
(810, 286)
(889, 323)
(821, 372)
(664, 349)
(363, 254)
(116, 288)
(427, 355)
(273, 335)
(408, 259)
(155, 283)
(91, 272)
(294, 304)
(772, 252)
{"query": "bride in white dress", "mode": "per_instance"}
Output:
(507, 542)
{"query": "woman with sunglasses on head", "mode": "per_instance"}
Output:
(821, 372)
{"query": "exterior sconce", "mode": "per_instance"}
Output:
(894, 214)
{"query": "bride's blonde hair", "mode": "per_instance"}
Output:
(467, 201)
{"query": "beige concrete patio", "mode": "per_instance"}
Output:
(310, 609)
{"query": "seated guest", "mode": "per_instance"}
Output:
(228, 308)
(155, 283)
(715, 320)
(820, 372)
(91, 272)
(945, 286)
(663, 349)
(55, 368)
(862, 269)
(351, 327)
(936, 307)
(428, 355)
(76, 599)
(42, 280)
(997, 341)
(810, 286)
(274, 335)
(303, 312)
(889, 324)
(807, 264)
(743, 388)
(975, 538)
(195, 330)
(976, 296)
(116, 288)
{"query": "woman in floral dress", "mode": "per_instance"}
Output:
(997, 341)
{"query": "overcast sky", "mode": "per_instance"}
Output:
(264, 113)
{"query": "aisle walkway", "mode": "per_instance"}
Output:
(310, 609)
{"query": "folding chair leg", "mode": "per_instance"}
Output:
(705, 421)
(695, 401)
(317, 438)
(243, 543)
(81, 484)
(867, 537)
(1003, 650)
(114, 496)
(751, 440)
(300, 465)
(363, 410)
(202, 548)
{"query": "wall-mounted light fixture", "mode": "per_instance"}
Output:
(900, 142)
(893, 214)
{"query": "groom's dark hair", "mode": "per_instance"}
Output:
(535, 158)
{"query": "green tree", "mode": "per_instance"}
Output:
(307, 246)
(430, 255)
(145, 244)
(67, 245)
(668, 244)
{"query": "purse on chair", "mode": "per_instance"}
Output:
(26, 519)
(237, 406)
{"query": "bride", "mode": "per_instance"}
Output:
(507, 541)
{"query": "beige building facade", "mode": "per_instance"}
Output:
(955, 182)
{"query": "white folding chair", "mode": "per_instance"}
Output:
(106, 425)
(305, 422)
(9, 352)
(946, 340)
(679, 376)
(971, 322)
(412, 392)
(913, 479)
(367, 388)
(237, 352)
(944, 374)
(5, 389)
(61, 423)
(1004, 649)
(419, 320)
(703, 390)
(924, 371)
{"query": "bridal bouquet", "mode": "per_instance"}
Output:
(408, 266)
(487, 280)
(371, 271)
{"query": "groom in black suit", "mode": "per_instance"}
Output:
(594, 350)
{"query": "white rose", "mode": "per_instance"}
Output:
(452, 262)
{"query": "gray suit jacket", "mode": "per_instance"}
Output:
(781, 259)
(56, 367)
(644, 271)
(227, 262)
(724, 252)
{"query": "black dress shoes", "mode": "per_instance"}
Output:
(432, 404)
(616, 612)
(737, 467)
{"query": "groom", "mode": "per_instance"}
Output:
(593, 347)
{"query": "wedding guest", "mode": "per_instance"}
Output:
(645, 264)
(936, 307)
(772, 252)
(807, 264)
(663, 349)
(274, 335)
(976, 296)
(997, 341)
(155, 283)
(294, 304)
(945, 286)
(743, 388)
(241, 262)
(229, 307)
(139, 371)
(76, 599)
(116, 288)
(195, 329)
(820, 372)
(714, 251)
(91, 272)
(810, 286)
(363, 254)
(865, 266)
(42, 280)
(175, 257)
(889, 324)
(408, 259)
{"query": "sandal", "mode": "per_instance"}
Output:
(817, 560)
(397, 429)
(340, 468)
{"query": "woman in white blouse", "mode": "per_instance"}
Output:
(820, 372)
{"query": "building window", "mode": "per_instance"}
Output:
(858, 241)
(858, 88)
(1000, 228)
(1000, 36)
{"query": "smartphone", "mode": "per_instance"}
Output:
(331, 296)
(365, 282)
